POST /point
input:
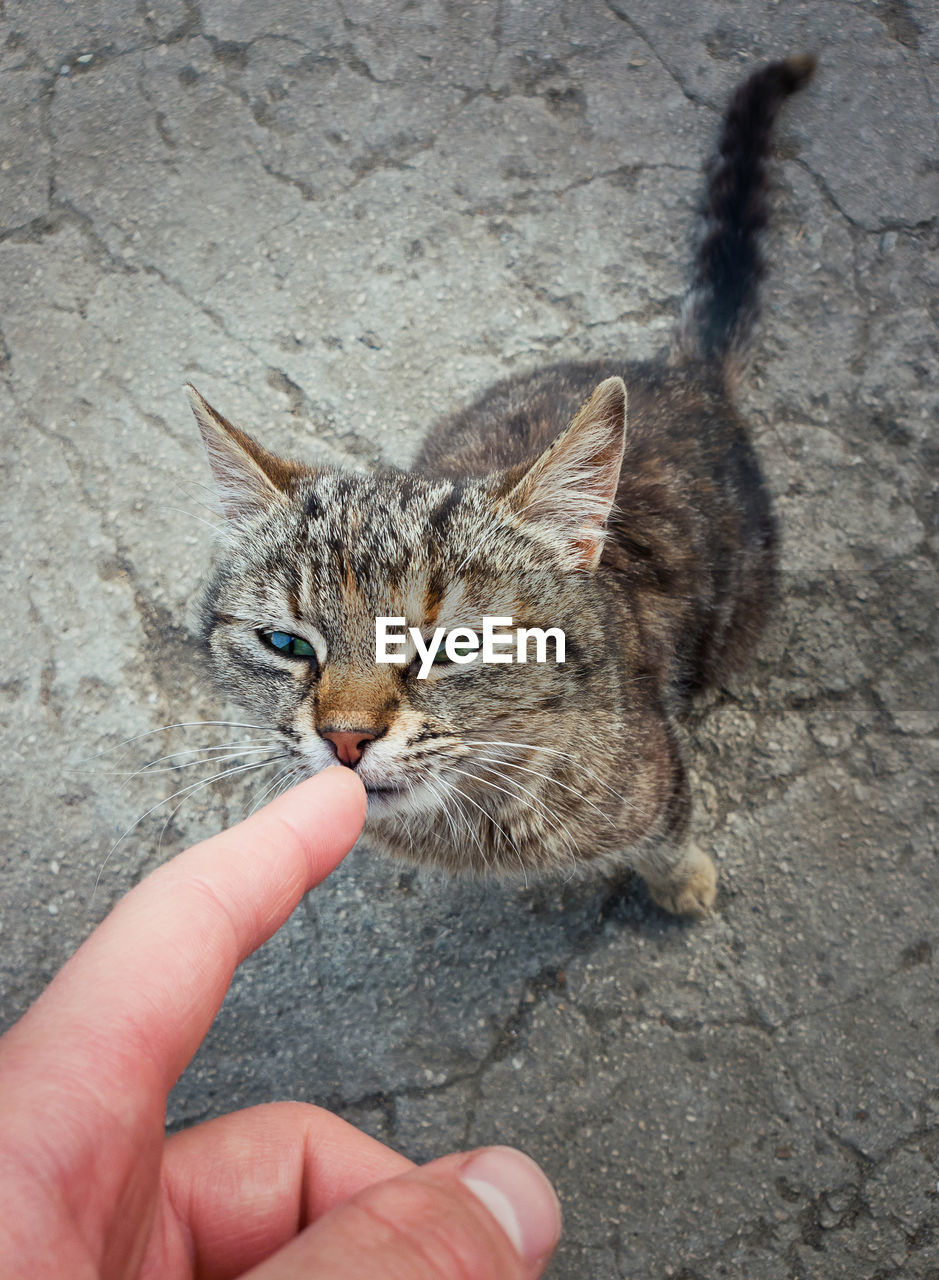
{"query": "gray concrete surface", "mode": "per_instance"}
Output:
(341, 219)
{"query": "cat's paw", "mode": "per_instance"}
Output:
(690, 893)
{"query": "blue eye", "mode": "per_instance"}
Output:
(292, 646)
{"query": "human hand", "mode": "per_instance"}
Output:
(90, 1188)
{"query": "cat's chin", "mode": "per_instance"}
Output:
(382, 800)
(386, 802)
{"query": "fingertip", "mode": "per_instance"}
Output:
(345, 788)
(328, 812)
(348, 781)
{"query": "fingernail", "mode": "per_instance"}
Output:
(519, 1197)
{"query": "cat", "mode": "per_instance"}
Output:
(646, 536)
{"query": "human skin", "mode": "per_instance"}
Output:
(90, 1187)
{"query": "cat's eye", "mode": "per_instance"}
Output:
(291, 646)
(462, 648)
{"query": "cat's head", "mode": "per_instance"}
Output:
(313, 556)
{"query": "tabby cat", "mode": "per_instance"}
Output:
(649, 542)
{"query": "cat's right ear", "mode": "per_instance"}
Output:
(248, 479)
(568, 492)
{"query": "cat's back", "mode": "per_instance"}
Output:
(692, 535)
(517, 417)
(671, 411)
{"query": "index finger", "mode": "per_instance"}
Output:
(132, 1005)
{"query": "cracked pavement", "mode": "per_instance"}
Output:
(341, 220)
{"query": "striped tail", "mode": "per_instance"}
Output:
(721, 305)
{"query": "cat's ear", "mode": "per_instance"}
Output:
(569, 490)
(248, 479)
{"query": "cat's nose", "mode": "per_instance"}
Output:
(349, 744)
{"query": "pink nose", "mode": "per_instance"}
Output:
(349, 744)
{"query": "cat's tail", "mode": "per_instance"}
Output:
(721, 305)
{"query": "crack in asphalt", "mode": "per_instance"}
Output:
(696, 98)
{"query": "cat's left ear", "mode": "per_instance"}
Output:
(248, 478)
(569, 491)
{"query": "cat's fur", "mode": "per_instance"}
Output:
(651, 545)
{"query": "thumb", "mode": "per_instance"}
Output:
(483, 1215)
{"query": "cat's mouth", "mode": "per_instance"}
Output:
(382, 798)
(385, 799)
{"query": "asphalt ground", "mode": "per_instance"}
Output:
(341, 221)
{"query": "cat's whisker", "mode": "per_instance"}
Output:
(531, 746)
(578, 765)
(550, 814)
(217, 746)
(442, 802)
(503, 764)
(217, 529)
(408, 829)
(290, 779)
(509, 764)
(165, 728)
(489, 817)
(293, 778)
(203, 758)
(213, 507)
(227, 773)
(401, 819)
(212, 760)
(465, 819)
(186, 487)
(278, 777)
(451, 826)
(194, 789)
